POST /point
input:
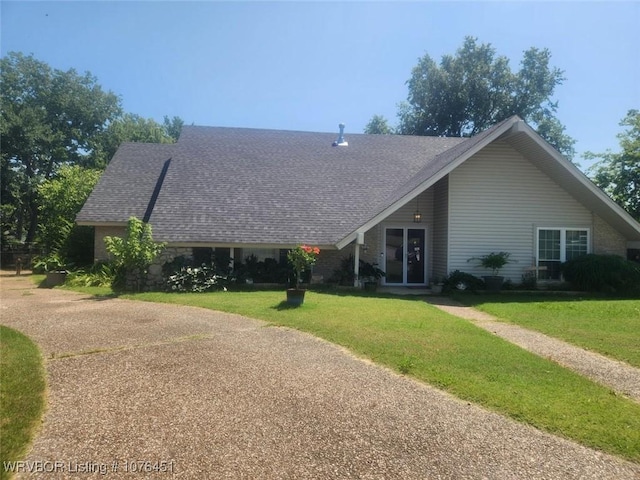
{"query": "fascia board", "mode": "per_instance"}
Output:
(581, 177)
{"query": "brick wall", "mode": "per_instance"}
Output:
(606, 240)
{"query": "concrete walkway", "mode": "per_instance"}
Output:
(619, 376)
(143, 390)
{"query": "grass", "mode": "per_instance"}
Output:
(607, 326)
(414, 338)
(22, 391)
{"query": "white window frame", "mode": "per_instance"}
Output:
(563, 245)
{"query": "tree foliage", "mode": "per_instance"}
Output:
(52, 118)
(474, 89)
(136, 250)
(378, 125)
(618, 174)
(131, 128)
(49, 118)
(62, 197)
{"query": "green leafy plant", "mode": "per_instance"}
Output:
(302, 258)
(493, 261)
(49, 263)
(602, 273)
(370, 272)
(197, 279)
(137, 250)
(462, 281)
(99, 275)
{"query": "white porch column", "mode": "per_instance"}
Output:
(356, 259)
(356, 266)
(231, 257)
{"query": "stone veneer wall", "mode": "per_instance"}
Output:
(154, 280)
(606, 240)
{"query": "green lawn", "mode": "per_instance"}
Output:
(607, 326)
(22, 387)
(410, 336)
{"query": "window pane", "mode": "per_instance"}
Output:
(549, 254)
(549, 245)
(576, 243)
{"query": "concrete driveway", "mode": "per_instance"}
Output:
(144, 390)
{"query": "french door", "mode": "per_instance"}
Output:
(405, 262)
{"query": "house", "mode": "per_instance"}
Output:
(419, 207)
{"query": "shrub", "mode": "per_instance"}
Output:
(197, 279)
(99, 275)
(133, 253)
(344, 275)
(458, 280)
(267, 271)
(602, 273)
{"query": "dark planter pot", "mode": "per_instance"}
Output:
(493, 283)
(295, 296)
(55, 278)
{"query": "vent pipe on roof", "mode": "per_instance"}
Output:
(341, 142)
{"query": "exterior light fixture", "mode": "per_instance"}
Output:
(417, 216)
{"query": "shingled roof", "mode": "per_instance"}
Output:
(229, 185)
(127, 185)
(239, 186)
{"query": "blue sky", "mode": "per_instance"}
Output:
(312, 65)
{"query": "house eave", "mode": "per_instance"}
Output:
(90, 223)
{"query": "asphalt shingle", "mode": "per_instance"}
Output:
(233, 185)
(126, 187)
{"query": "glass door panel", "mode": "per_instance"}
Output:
(405, 256)
(394, 255)
(415, 255)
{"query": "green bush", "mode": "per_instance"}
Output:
(102, 274)
(197, 279)
(458, 280)
(602, 273)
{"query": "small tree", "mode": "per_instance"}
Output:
(302, 258)
(136, 251)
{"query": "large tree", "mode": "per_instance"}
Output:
(474, 89)
(49, 118)
(132, 128)
(378, 125)
(618, 174)
(52, 118)
(62, 197)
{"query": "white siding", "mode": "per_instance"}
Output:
(497, 198)
(440, 227)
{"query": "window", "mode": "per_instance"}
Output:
(557, 245)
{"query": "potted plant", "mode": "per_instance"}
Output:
(55, 268)
(301, 258)
(494, 262)
(371, 275)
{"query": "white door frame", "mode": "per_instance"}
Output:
(405, 263)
